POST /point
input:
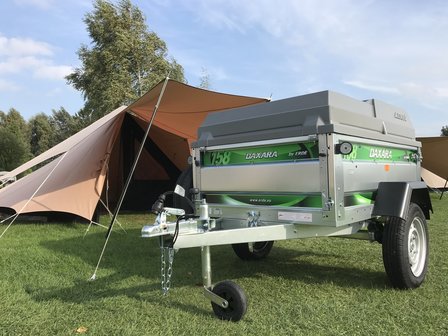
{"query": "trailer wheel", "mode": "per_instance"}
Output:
(236, 298)
(406, 249)
(253, 251)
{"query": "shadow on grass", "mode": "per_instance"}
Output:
(132, 267)
(85, 291)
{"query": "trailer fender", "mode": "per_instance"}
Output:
(393, 199)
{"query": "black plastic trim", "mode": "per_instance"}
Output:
(393, 199)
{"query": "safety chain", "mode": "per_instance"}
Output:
(166, 273)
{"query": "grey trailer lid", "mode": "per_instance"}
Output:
(310, 114)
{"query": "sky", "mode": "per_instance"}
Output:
(395, 51)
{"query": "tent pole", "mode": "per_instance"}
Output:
(90, 224)
(110, 215)
(444, 187)
(32, 196)
(104, 226)
(129, 178)
(88, 228)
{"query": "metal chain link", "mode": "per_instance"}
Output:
(162, 270)
(166, 274)
(170, 268)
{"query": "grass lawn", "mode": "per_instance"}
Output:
(305, 287)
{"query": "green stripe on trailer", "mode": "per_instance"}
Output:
(299, 200)
(361, 198)
(261, 154)
(314, 201)
(363, 152)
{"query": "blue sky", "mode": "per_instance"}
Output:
(396, 51)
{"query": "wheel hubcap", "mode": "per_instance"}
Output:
(417, 248)
(257, 247)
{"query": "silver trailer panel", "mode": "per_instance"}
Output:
(288, 168)
(302, 177)
(316, 113)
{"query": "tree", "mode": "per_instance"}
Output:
(63, 126)
(205, 82)
(444, 131)
(13, 124)
(13, 151)
(41, 133)
(124, 61)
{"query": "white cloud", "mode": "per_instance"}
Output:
(8, 86)
(54, 92)
(16, 46)
(388, 50)
(49, 71)
(371, 87)
(393, 49)
(38, 67)
(442, 92)
(18, 64)
(43, 4)
(376, 39)
(19, 55)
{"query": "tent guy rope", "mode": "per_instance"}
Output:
(14, 217)
(128, 180)
(104, 226)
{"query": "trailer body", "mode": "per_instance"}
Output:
(321, 164)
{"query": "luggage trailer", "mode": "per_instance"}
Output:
(317, 165)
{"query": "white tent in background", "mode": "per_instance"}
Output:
(432, 180)
(435, 158)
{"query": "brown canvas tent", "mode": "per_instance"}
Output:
(435, 155)
(91, 165)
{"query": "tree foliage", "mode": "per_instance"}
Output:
(14, 140)
(14, 122)
(13, 151)
(21, 140)
(124, 60)
(63, 125)
(444, 131)
(205, 82)
(41, 133)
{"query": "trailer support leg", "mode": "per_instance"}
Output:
(207, 278)
(206, 266)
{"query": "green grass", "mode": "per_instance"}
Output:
(305, 287)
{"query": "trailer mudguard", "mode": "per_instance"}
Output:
(393, 199)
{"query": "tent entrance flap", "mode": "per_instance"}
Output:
(133, 135)
(154, 173)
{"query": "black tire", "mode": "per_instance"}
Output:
(253, 251)
(236, 298)
(406, 249)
